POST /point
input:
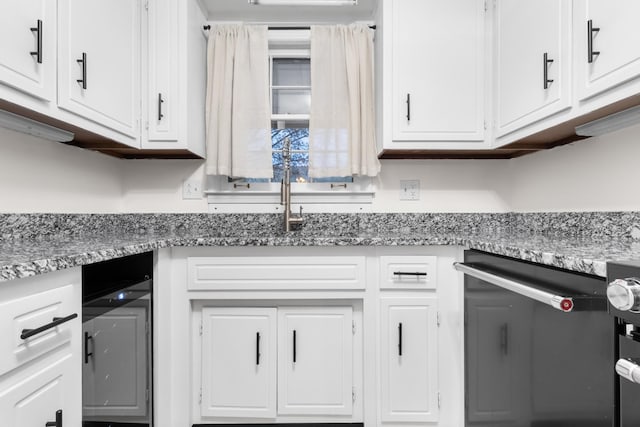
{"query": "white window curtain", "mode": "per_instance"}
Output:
(342, 124)
(238, 116)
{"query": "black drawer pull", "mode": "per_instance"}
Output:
(257, 348)
(590, 52)
(38, 30)
(87, 338)
(545, 71)
(408, 273)
(399, 339)
(160, 102)
(294, 346)
(408, 107)
(27, 333)
(57, 422)
(83, 61)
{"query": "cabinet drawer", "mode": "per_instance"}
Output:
(276, 273)
(31, 312)
(407, 272)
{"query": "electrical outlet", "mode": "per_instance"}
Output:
(191, 189)
(410, 189)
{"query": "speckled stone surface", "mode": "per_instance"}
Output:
(38, 243)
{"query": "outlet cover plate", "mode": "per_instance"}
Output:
(410, 189)
(191, 189)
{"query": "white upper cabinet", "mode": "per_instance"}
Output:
(532, 61)
(28, 54)
(99, 62)
(608, 44)
(433, 71)
(315, 361)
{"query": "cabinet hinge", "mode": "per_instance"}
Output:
(485, 125)
(439, 400)
(147, 395)
(438, 319)
(353, 394)
(200, 329)
(200, 399)
(485, 5)
(146, 5)
(353, 327)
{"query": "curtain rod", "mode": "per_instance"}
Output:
(208, 27)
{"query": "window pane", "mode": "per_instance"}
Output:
(291, 101)
(291, 72)
(299, 138)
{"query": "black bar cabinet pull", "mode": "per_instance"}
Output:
(160, 101)
(590, 52)
(408, 107)
(399, 339)
(407, 273)
(257, 348)
(57, 422)
(38, 30)
(294, 346)
(27, 333)
(546, 61)
(87, 337)
(504, 339)
(83, 61)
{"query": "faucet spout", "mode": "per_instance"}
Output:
(290, 219)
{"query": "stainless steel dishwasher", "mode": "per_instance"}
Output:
(539, 345)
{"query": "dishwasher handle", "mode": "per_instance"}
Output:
(559, 302)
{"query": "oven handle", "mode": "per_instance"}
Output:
(562, 303)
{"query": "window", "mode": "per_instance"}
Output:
(290, 112)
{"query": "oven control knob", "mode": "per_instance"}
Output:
(624, 294)
(628, 370)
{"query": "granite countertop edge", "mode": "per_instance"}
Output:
(72, 254)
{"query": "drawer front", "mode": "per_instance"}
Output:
(276, 273)
(408, 272)
(31, 312)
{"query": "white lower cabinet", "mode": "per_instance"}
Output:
(40, 350)
(310, 348)
(409, 359)
(314, 360)
(238, 362)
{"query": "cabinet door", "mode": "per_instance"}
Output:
(409, 360)
(438, 73)
(106, 33)
(32, 396)
(238, 362)
(28, 54)
(617, 41)
(526, 32)
(114, 379)
(315, 360)
(162, 96)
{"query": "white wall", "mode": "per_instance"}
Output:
(596, 174)
(43, 176)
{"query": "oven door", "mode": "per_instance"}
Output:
(628, 368)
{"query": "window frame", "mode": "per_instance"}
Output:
(225, 195)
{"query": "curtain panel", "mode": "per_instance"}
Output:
(238, 116)
(342, 125)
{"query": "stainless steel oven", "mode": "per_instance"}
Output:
(623, 292)
(117, 328)
(539, 345)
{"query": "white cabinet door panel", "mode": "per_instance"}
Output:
(618, 42)
(438, 72)
(239, 362)
(108, 32)
(18, 67)
(525, 32)
(409, 360)
(315, 360)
